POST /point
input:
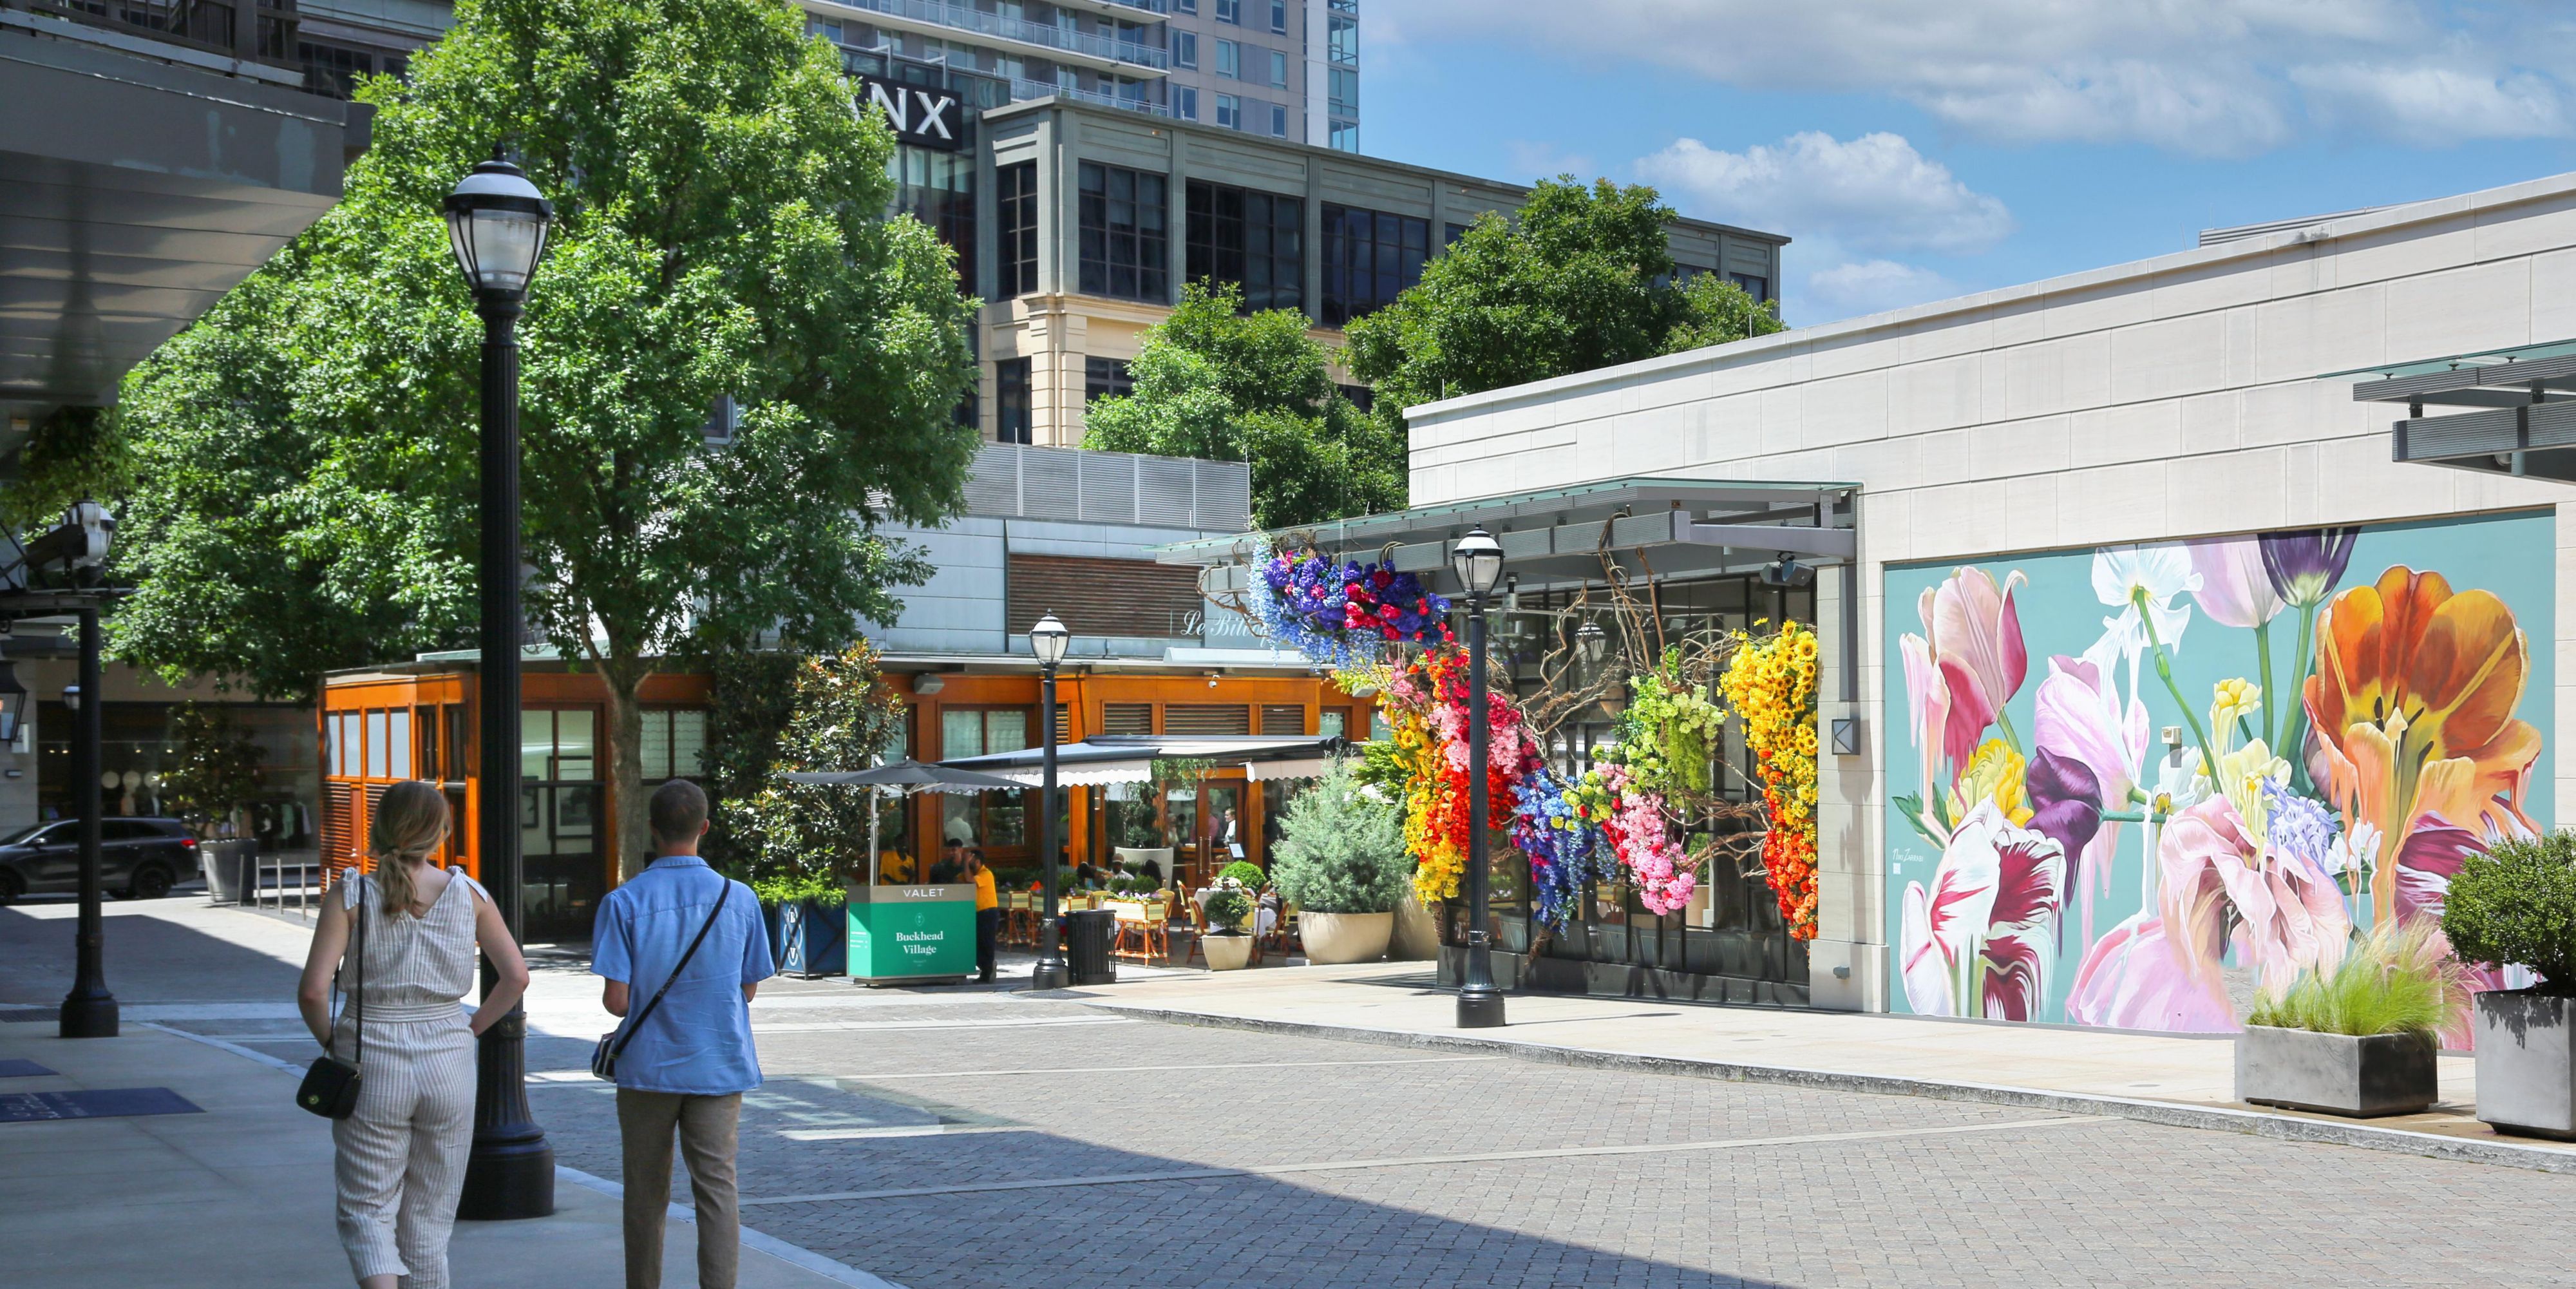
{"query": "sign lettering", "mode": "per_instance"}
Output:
(925, 118)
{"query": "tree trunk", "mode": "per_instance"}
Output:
(633, 833)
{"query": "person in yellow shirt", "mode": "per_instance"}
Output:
(988, 912)
(894, 868)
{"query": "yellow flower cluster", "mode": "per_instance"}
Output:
(1771, 683)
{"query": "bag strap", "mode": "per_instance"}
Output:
(357, 996)
(682, 965)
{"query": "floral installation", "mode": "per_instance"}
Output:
(1771, 684)
(1428, 704)
(1565, 849)
(1343, 614)
(2305, 798)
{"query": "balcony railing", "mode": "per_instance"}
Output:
(995, 25)
(259, 31)
(1022, 91)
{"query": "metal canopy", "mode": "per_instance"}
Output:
(2525, 425)
(1129, 758)
(1665, 528)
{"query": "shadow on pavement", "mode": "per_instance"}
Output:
(148, 957)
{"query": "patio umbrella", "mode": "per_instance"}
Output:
(905, 776)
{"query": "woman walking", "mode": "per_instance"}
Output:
(402, 1153)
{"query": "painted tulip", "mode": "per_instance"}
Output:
(2137, 977)
(1980, 940)
(2304, 565)
(2148, 578)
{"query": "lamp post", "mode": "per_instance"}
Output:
(73, 556)
(1477, 559)
(1048, 640)
(496, 221)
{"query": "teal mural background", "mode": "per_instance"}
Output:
(2060, 613)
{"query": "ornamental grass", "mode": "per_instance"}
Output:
(2397, 980)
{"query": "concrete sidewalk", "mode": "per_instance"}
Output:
(2188, 1080)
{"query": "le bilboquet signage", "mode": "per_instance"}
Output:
(925, 118)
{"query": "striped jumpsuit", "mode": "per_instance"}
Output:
(402, 1154)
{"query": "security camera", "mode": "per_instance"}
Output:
(1788, 572)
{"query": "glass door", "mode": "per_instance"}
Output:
(562, 826)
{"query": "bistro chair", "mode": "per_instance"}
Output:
(1198, 931)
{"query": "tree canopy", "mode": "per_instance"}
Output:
(1215, 383)
(1579, 278)
(305, 493)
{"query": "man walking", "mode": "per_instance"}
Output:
(687, 1063)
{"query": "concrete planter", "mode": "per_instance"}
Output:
(2527, 1063)
(1227, 952)
(1417, 933)
(1135, 856)
(2365, 1075)
(1335, 938)
(231, 868)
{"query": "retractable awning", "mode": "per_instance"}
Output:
(2524, 422)
(1129, 758)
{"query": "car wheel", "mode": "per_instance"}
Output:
(151, 882)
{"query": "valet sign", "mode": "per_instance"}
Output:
(908, 933)
(925, 118)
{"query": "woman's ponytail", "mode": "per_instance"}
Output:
(411, 819)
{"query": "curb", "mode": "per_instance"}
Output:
(2175, 1114)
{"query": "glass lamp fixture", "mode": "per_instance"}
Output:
(1477, 559)
(1048, 640)
(496, 221)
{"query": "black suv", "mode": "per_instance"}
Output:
(138, 858)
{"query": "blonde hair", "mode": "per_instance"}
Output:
(411, 819)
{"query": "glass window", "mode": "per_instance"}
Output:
(337, 754)
(1106, 378)
(1278, 121)
(1230, 11)
(1006, 731)
(536, 743)
(1013, 422)
(1229, 111)
(1125, 242)
(457, 734)
(960, 734)
(375, 745)
(1279, 16)
(1328, 722)
(1754, 284)
(898, 744)
(653, 758)
(1370, 257)
(1185, 6)
(688, 743)
(1279, 69)
(1229, 60)
(1185, 49)
(1254, 239)
(398, 742)
(1185, 102)
(576, 754)
(1015, 200)
(1345, 91)
(1342, 41)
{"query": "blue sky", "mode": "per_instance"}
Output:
(1993, 142)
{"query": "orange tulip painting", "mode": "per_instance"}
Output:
(2412, 704)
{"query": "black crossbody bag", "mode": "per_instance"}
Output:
(603, 1058)
(330, 1087)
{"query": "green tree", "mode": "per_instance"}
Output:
(218, 766)
(802, 836)
(1341, 847)
(1578, 279)
(1218, 384)
(308, 493)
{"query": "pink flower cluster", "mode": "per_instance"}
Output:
(1638, 835)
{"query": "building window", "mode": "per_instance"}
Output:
(1185, 102)
(1106, 378)
(1342, 40)
(1754, 284)
(1230, 11)
(674, 741)
(1253, 239)
(1278, 69)
(1229, 60)
(938, 188)
(1015, 202)
(1185, 49)
(334, 69)
(1345, 94)
(1229, 111)
(1278, 121)
(1346, 136)
(1126, 246)
(1185, 6)
(1362, 397)
(1450, 234)
(1369, 258)
(1279, 16)
(1012, 420)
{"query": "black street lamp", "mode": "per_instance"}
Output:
(1477, 559)
(496, 221)
(77, 552)
(1048, 640)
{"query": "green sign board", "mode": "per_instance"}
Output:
(912, 932)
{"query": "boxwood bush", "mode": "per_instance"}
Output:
(2517, 904)
(1246, 872)
(1341, 850)
(1228, 909)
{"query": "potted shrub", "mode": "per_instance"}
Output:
(813, 924)
(2358, 1040)
(1228, 945)
(218, 771)
(2515, 905)
(1244, 873)
(1135, 836)
(1341, 861)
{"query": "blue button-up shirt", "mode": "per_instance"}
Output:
(699, 1040)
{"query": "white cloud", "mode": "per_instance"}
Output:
(1874, 193)
(2205, 77)
(1872, 286)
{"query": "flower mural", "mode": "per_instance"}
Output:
(2333, 745)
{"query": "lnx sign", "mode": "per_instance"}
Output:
(927, 118)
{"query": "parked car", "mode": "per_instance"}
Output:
(139, 858)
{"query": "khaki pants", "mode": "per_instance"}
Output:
(707, 1127)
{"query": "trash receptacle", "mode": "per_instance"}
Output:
(1089, 936)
